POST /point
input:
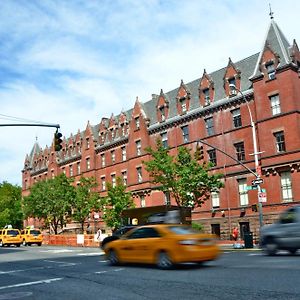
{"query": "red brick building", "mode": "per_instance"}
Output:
(268, 85)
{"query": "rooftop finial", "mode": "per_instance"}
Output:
(271, 12)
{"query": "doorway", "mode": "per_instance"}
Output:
(244, 228)
(216, 229)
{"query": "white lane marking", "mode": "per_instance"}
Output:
(103, 261)
(100, 272)
(58, 251)
(89, 254)
(117, 270)
(21, 270)
(61, 263)
(30, 283)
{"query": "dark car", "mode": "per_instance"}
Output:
(116, 235)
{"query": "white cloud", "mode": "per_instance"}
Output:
(68, 62)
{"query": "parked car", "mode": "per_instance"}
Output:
(31, 236)
(116, 235)
(284, 234)
(164, 245)
(10, 236)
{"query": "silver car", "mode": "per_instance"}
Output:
(284, 234)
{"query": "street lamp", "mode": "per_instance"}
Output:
(256, 153)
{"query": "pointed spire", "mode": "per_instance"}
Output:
(271, 12)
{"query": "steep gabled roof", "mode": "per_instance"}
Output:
(276, 40)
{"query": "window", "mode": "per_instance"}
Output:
(102, 160)
(206, 96)
(280, 143)
(240, 151)
(102, 137)
(123, 149)
(286, 186)
(124, 177)
(64, 171)
(236, 117)
(275, 105)
(88, 164)
(78, 168)
(138, 146)
(103, 184)
(212, 156)
(164, 139)
(112, 132)
(113, 156)
(123, 129)
(139, 174)
(113, 180)
(215, 199)
(87, 143)
(137, 123)
(231, 82)
(185, 133)
(167, 198)
(71, 170)
(270, 70)
(142, 201)
(183, 105)
(209, 124)
(162, 113)
(243, 192)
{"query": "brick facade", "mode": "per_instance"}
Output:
(207, 109)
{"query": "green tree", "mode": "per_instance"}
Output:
(114, 203)
(51, 201)
(85, 200)
(188, 181)
(10, 205)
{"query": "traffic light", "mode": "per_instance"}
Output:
(254, 207)
(57, 141)
(199, 153)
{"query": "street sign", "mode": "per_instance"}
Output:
(249, 188)
(262, 197)
(257, 181)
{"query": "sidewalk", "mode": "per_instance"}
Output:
(235, 245)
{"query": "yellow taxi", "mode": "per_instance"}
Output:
(10, 236)
(164, 245)
(31, 236)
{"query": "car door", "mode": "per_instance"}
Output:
(289, 228)
(139, 246)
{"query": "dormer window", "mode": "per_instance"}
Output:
(232, 82)
(162, 113)
(137, 123)
(270, 70)
(206, 96)
(102, 137)
(123, 129)
(183, 105)
(87, 143)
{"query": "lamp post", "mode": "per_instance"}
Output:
(256, 153)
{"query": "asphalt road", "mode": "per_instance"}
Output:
(83, 273)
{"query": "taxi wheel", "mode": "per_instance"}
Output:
(39, 244)
(18, 245)
(113, 257)
(1, 244)
(163, 261)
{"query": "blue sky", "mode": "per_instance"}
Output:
(69, 62)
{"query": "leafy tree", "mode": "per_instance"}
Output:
(51, 200)
(114, 203)
(10, 205)
(187, 180)
(85, 200)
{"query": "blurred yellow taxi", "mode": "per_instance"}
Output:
(10, 236)
(164, 245)
(31, 236)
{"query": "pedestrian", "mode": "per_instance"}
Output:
(235, 233)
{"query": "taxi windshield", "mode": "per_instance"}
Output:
(35, 232)
(182, 229)
(13, 232)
